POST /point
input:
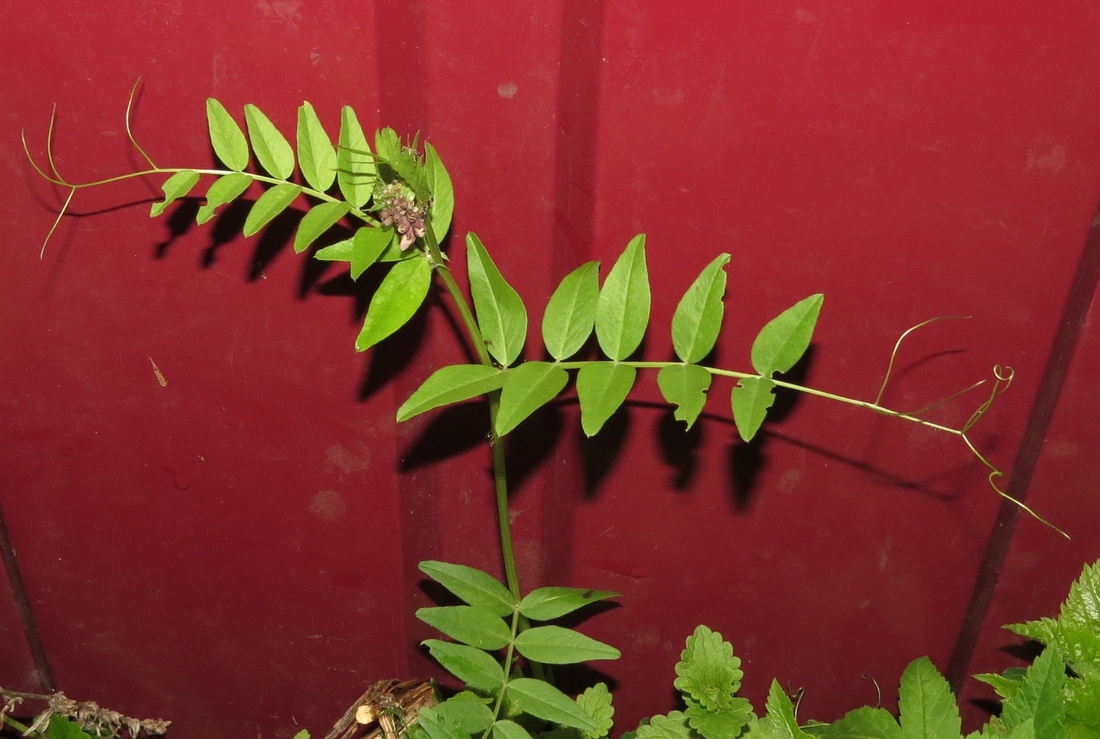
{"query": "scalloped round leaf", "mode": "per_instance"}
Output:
(469, 664)
(356, 170)
(751, 400)
(596, 702)
(175, 187)
(725, 724)
(273, 202)
(622, 312)
(397, 299)
(571, 313)
(501, 315)
(708, 671)
(452, 384)
(471, 625)
(549, 603)
(471, 585)
(556, 645)
(671, 726)
(316, 156)
(223, 190)
(685, 386)
(543, 700)
(601, 389)
(526, 389)
(698, 317)
(319, 219)
(272, 149)
(782, 342)
(226, 136)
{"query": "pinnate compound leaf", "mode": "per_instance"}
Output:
(469, 664)
(707, 671)
(505, 729)
(571, 312)
(553, 602)
(926, 704)
(555, 645)
(751, 400)
(451, 384)
(441, 191)
(316, 157)
(622, 312)
(727, 723)
(319, 219)
(175, 187)
(500, 312)
(356, 170)
(543, 700)
(273, 202)
(526, 389)
(698, 317)
(1039, 698)
(865, 722)
(782, 342)
(672, 726)
(466, 710)
(226, 136)
(601, 389)
(471, 625)
(397, 299)
(596, 702)
(473, 586)
(273, 151)
(224, 190)
(685, 386)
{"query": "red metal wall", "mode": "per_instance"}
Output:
(236, 550)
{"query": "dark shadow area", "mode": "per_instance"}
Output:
(599, 452)
(452, 431)
(786, 401)
(273, 240)
(679, 448)
(227, 229)
(179, 221)
(531, 444)
(746, 462)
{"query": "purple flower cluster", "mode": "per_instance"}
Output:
(400, 210)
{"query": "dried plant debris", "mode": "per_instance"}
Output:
(88, 715)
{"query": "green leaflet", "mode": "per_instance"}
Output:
(549, 603)
(397, 299)
(63, 727)
(571, 312)
(505, 729)
(596, 702)
(526, 389)
(316, 157)
(387, 144)
(441, 191)
(723, 724)
(601, 389)
(698, 317)
(433, 723)
(226, 136)
(1039, 698)
(273, 202)
(544, 701)
(555, 645)
(224, 190)
(368, 246)
(782, 342)
(866, 722)
(672, 726)
(500, 312)
(303, 734)
(471, 625)
(175, 187)
(473, 586)
(451, 384)
(470, 665)
(927, 707)
(1076, 631)
(622, 312)
(707, 671)
(685, 386)
(751, 400)
(319, 219)
(781, 720)
(466, 710)
(272, 149)
(356, 170)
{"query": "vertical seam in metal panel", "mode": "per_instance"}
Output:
(23, 604)
(1078, 300)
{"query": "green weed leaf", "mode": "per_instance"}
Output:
(1076, 631)
(698, 317)
(466, 710)
(545, 604)
(780, 722)
(356, 171)
(601, 389)
(387, 144)
(273, 202)
(526, 389)
(751, 400)
(782, 342)
(62, 727)
(596, 702)
(672, 726)
(685, 386)
(862, 723)
(470, 665)
(543, 700)
(727, 723)
(622, 312)
(505, 729)
(571, 312)
(175, 187)
(224, 190)
(473, 586)
(316, 157)
(927, 707)
(397, 299)
(471, 625)
(441, 191)
(555, 645)
(226, 136)
(303, 734)
(1039, 698)
(272, 149)
(500, 312)
(433, 723)
(319, 219)
(707, 671)
(368, 246)
(451, 384)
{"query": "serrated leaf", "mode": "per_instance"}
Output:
(601, 389)
(596, 702)
(685, 386)
(926, 704)
(368, 246)
(466, 710)
(316, 156)
(783, 341)
(542, 700)
(356, 171)
(866, 722)
(500, 312)
(1005, 684)
(727, 723)
(708, 671)
(473, 586)
(471, 625)
(622, 311)
(223, 190)
(526, 389)
(470, 665)
(273, 202)
(397, 299)
(442, 193)
(672, 726)
(505, 729)
(273, 151)
(1076, 631)
(571, 313)
(698, 317)
(751, 400)
(175, 187)
(548, 603)
(1039, 697)
(780, 721)
(319, 219)
(555, 645)
(226, 136)
(452, 384)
